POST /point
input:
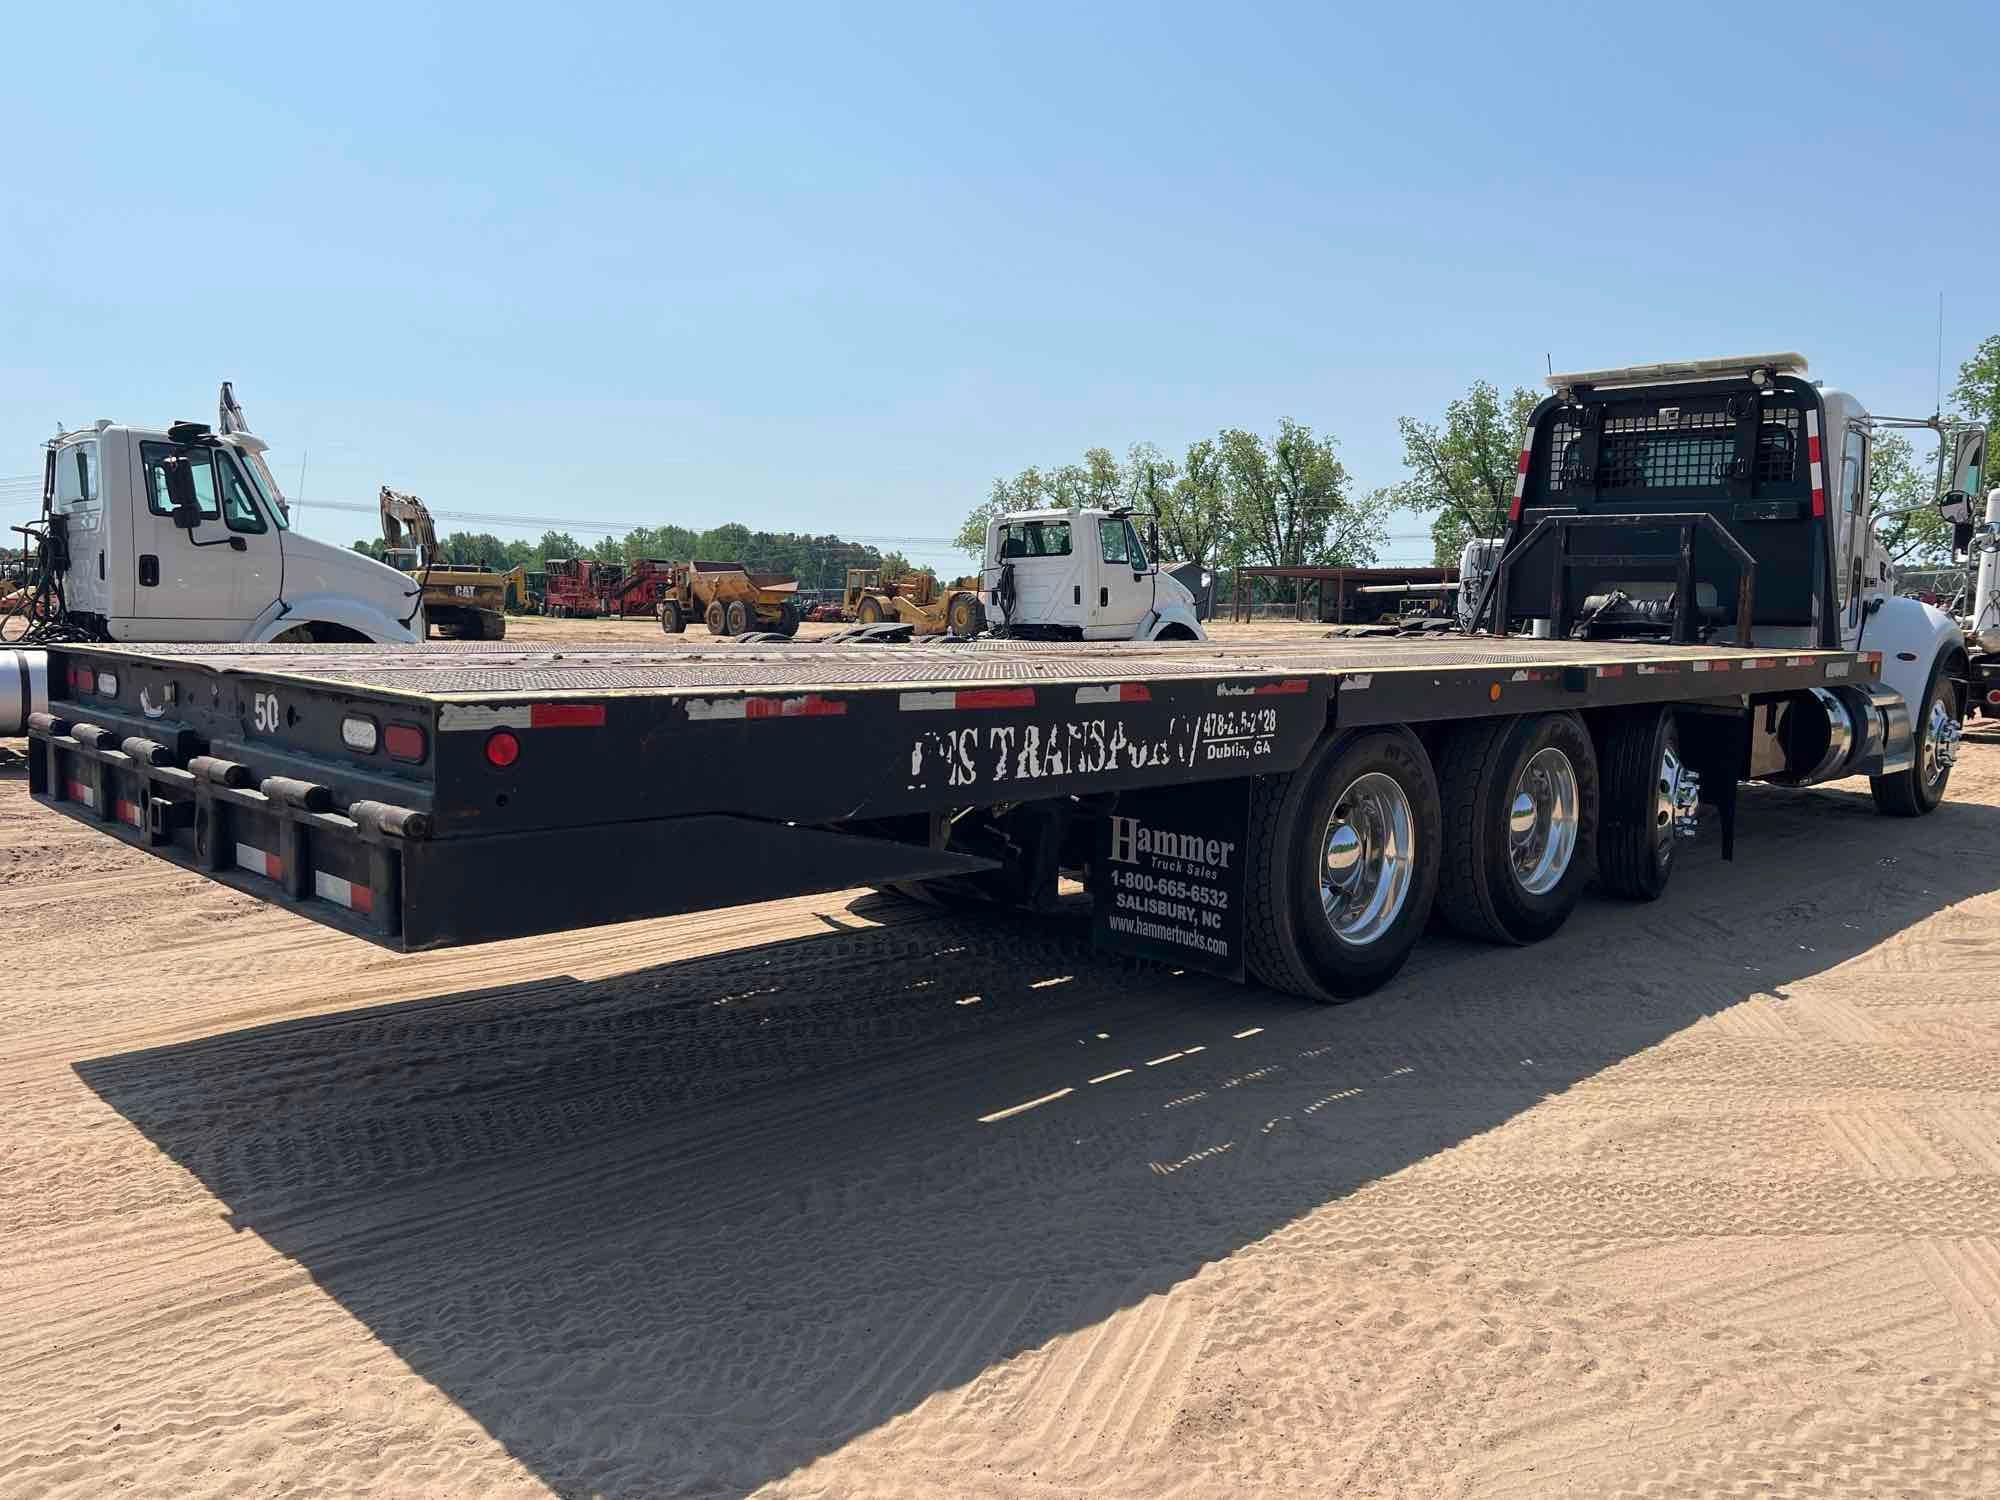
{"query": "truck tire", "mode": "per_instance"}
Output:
(788, 621)
(712, 618)
(1342, 865)
(965, 616)
(868, 611)
(492, 625)
(1934, 727)
(672, 621)
(736, 618)
(1640, 762)
(1520, 814)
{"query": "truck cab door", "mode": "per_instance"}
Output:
(196, 585)
(1124, 584)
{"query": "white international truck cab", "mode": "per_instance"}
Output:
(1728, 499)
(181, 534)
(1976, 546)
(1080, 575)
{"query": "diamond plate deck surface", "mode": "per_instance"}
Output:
(495, 668)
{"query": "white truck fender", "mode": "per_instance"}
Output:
(1175, 617)
(1911, 635)
(343, 610)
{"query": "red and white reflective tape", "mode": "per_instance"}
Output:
(127, 811)
(994, 697)
(1521, 476)
(1758, 663)
(258, 862)
(804, 706)
(457, 717)
(78, 792)
(1813, 463)
(1115, 692)
(1265, 689)
(1711, 666)
(1617, 671)
(342, 892)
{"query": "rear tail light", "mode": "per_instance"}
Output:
(82, 680)
(1993, 696)
(502, 749)
(358, 733)
(107, 684)
(403, 741)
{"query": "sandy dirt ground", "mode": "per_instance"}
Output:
(840, 1197)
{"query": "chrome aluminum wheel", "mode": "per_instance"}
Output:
(1941, 736)
(1677, 804)
(1542, 821)
(1367, 858)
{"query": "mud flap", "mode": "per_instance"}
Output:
(1167, 876)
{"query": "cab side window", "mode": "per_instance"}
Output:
(153, 457)
(1851, 534)
(1111, 537)
(76, 477)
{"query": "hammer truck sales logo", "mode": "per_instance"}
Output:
(1130, 839)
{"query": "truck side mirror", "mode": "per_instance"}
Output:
(1956, 507)
(180, 493)
(1968, 459)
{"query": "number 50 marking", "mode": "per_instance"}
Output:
(265, 713)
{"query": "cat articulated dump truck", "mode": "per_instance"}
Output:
(1684, 601)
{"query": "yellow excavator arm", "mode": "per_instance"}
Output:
(406, 515)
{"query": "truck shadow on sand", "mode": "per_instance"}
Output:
(690, 1228)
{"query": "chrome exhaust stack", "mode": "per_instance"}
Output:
(24, 687)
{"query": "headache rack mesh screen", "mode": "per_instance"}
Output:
(1683, 450)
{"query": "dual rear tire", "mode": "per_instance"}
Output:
(1351, 853)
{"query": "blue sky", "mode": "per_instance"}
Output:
(834, 268)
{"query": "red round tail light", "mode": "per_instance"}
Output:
(502, 749)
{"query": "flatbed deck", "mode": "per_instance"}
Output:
(470, 672)
(464, 791)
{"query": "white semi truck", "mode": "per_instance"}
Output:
(181, 534)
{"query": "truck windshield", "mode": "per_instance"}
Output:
(253, 467)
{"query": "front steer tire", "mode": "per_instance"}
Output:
(1917, 791)
(1289, 942)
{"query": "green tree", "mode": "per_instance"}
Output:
(1897, 483)
(1027, 490)
(1976, 396)
(1289, 500)
(1196, 513)
(894, 565)
(1462, 470)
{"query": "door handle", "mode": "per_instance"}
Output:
(1104, 598)
(149, 570)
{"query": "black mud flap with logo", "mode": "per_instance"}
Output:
(1168, 878)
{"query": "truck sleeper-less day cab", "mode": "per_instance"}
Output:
(228, 569)
(182, 534)
(1080, 575)
(1676, 610)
